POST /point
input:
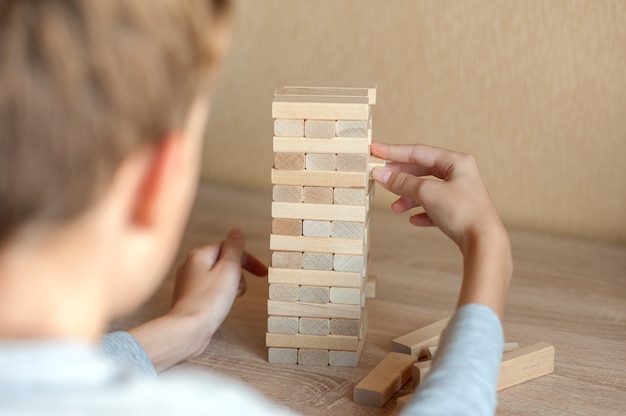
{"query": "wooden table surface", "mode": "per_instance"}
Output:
(568, 292)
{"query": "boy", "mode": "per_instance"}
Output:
(102, 108)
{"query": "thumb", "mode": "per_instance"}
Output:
(401, 183)
(233, 247)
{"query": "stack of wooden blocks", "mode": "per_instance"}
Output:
(320, 217)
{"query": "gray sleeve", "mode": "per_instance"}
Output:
(125, 349)
(465, 370)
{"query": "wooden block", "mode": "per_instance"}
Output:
(328, 342)
(282, 355)
(320, 107)
(288, 128)
(348, 263)
(284, 293)
(517, 366)
(352, 246)
(335, 145)
(314, 326)
(343, 358)
(369, 86)
(415, 342)
(318, 277)
(430, 352)
(351, 163)
(340, 326)
(370, 287)
(289, 161)
(419, 372)
(510, 346)
(313, 294)
(352, 128)
(282, 324)
(384, 380)
(319, 129)
(287, 193)
(346, 229)
(320, 161)
(317, 261)
(319, 178)
(526, 364)
(403, 401)
(328, 212)
(317, 195)
(308, 356)
(348, 196)
(314, 228)
(313, 310)
(374, 162)
(320, 90)
(284, 226)
(345, 295)
(287, 259)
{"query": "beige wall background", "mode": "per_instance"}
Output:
(534, 89)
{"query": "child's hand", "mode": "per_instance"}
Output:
(207, 284)
(457, 202)
(210, 280)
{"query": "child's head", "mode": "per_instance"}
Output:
(83, 83)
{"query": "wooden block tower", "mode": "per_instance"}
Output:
(320, 218)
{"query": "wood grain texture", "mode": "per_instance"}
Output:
(289, 128)
(416, 342)
(352, 128)
(313, 228)
(314, 294)
(284, 226)
(384, 380)
(315, 326)
(287, 259)
(308, 356)
(317, 195)
(320, 107)
(287, 193)
(317, 178)
(568, 292)
(327, 342)
(343, 88)
(336, 145)
(289, 162)
(321, 161)
(353, 246)
(319, 129)
(313, 310)
(317, 261)
(348, 196)
(309, 277)
(318, 212)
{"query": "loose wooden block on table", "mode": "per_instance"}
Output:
(321, 129)
(314, 326)
(290, 227)
(289, 128)
(328, 212)
(319, 277)
(321, 108)
(384, 380)
(314, 294)
(284, 293)
(282, 355)
(349, 246)
(333, 179)
(317, 261)
(287, 193)
(326, 342)
(526, 364)
(308, 356)
(415, 342)
(419, 372)
(287, 260)
(313, 310)
(321, 161)
(282, 324)
(403, 401)
(335, 145)
(289, 161)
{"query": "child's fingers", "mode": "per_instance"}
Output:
(402, 184)
(403, 204)
(252, 264)
(421, 220)
(433, 160)
(233, 248)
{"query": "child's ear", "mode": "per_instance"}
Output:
(163, 163)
